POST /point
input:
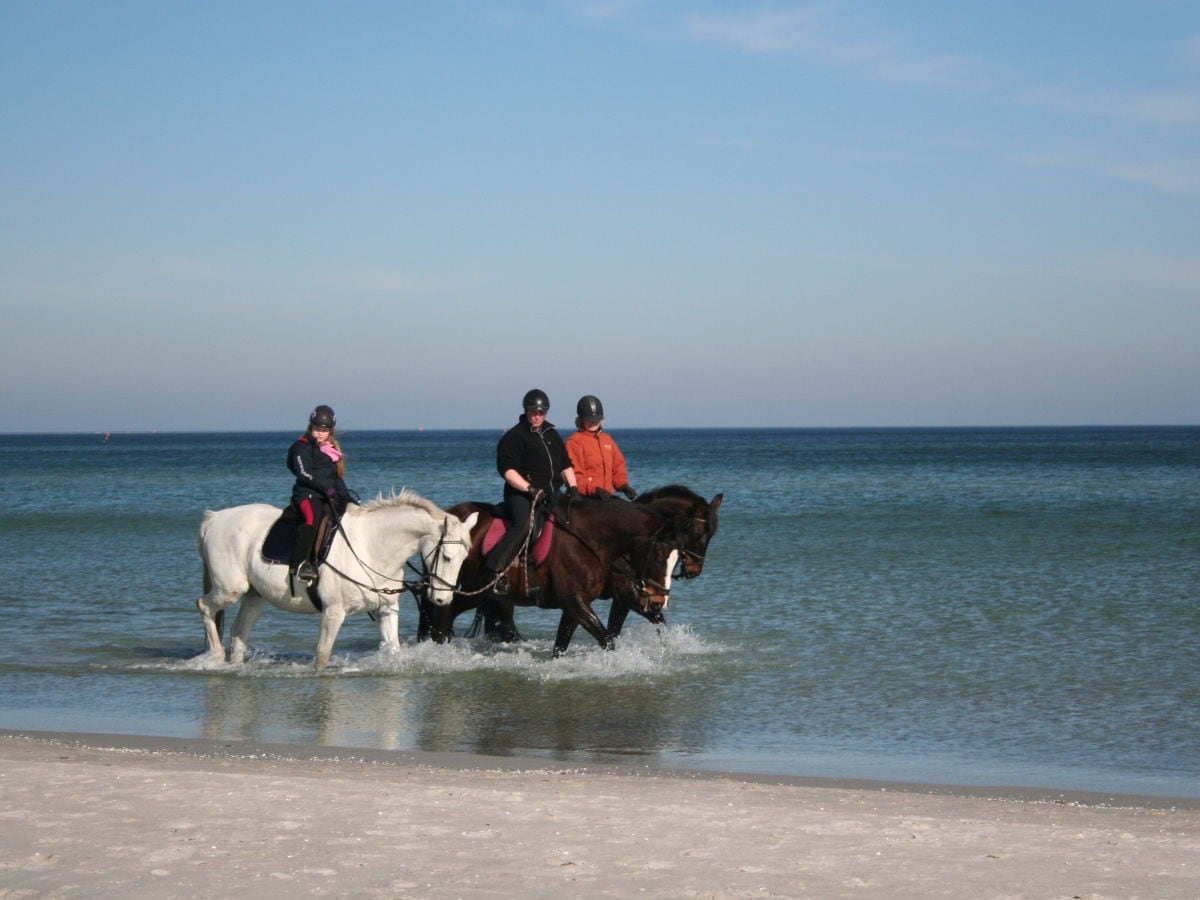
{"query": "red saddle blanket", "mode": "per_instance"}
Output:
(541, 546)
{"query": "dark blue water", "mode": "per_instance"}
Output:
(978, 606)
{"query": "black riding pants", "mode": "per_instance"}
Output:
(518, 508)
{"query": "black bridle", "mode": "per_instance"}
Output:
(692, 554)
(424, 580)
(642, 581)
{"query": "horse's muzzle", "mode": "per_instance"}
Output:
(652, 598)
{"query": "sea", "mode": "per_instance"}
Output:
(978, 606)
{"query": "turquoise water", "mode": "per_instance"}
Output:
(977, 606)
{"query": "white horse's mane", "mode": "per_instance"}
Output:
(405, 497)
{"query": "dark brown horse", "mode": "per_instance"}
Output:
(592, 540)
(691, 516)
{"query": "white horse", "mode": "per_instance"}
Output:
(362, 573)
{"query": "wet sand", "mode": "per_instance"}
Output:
(111, 815)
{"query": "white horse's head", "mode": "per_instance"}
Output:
(444, 555)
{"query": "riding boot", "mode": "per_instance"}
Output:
(495, 572)
(301, 565)
(533, 587)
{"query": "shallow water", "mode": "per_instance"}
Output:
(979, 606)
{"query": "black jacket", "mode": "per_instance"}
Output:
(540, 456)
(315, 472)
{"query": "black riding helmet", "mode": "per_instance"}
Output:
(536, 400)
(322, 417)
(590, 407)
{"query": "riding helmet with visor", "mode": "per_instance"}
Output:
(536, 401)
(590, 408)
(322, 417)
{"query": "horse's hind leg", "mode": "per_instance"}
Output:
(248, 612)
(212, 613)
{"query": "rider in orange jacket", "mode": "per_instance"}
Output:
(598, 462)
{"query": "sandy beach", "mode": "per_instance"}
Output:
(109, 816)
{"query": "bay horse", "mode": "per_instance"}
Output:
(693, 517)
(363, 571)
(591, 540)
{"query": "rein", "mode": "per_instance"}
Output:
(625, 565)
(414, 586)
(522, 551)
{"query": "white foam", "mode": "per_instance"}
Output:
(642, 651)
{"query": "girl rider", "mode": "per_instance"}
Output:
(317, 461)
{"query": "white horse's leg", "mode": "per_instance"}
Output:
(331, 622)
(389, 625)
(211, 613)
(248, 613)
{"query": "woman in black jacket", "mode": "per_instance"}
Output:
(532, 459)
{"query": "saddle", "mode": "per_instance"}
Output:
(539, 543)
(281, 538)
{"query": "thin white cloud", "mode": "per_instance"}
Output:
(1178, 176)
(816, 32)
(1144, 269)
(1145, 107)
(606, 10)
(1172, 177)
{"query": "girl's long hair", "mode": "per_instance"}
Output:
(341, 463)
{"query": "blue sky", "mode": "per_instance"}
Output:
(217, 215)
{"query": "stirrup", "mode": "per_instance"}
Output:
(307, 573)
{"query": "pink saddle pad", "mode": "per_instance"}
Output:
(541, 547)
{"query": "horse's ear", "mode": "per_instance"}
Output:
(471, 520)
(716, 501)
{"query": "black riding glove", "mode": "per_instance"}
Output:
(628, 491)
(573, 493)
(601, 494)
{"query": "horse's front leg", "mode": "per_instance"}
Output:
(331, 623)
(248, 612)
(617, 613)
(438, 621)
(424, 611)
(388, 616)
(567, 624)
(499, 620)
(580, 612)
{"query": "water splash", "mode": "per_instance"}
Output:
(643, 653)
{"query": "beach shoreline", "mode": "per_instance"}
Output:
(102, 815)
(242, 749)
